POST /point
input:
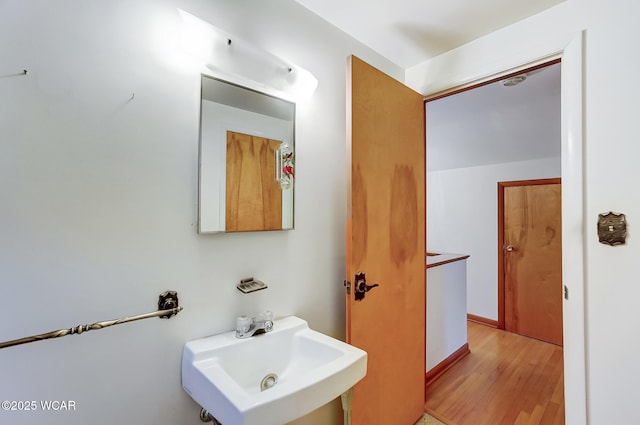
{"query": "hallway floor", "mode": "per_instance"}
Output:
(507, 379)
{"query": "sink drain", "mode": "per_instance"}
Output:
(268, 381)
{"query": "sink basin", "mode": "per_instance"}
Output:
(269, 379)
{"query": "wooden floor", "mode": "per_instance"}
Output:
(507, 379)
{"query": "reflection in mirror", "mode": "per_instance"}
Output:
(246, 159)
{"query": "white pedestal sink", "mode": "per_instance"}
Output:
(303, 370)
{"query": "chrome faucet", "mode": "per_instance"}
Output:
(247, 327)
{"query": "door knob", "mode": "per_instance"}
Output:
(509, 248)
(361, 287)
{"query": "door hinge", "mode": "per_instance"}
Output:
(347, 285)
(566, 292)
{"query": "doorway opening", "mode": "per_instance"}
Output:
(518, 140)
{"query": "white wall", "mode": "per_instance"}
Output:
(611, 60)
(98, 201)
(446, 328)
(462, 218)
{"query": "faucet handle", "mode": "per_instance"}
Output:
(243, 324)
(267, 316)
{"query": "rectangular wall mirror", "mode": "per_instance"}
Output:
(246, 176)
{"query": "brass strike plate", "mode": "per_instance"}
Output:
(612, 228)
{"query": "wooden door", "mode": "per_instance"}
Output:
(532, 257)
(386, 242)
(253, 197)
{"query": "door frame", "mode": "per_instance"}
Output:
(569, 48)
(501, 277)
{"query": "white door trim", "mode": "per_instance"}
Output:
(573, 231)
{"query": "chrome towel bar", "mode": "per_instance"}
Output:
(167, 307)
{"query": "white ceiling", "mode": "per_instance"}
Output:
(495, 124)
(488, 125)
(408, 32)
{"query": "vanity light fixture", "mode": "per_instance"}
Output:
(229, 58)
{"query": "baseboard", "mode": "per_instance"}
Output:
(444, 365)
(482, 320)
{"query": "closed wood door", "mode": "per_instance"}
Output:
(253, 197)
(386, 242)
(532, 256)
